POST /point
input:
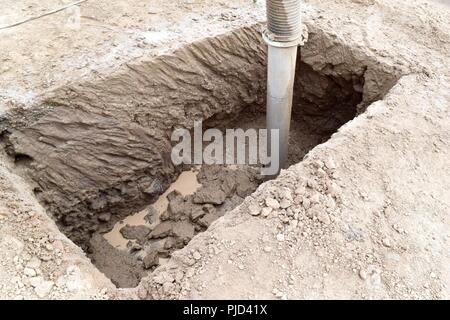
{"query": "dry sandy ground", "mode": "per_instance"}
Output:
(364, 216)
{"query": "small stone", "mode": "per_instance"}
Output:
(135, 232)
(323, 217)
(321, 173)
(266, 211)
(29, 272)
(280, 237)
(162, 230)
(330, 164)
(306, 203)
(272, 203)
(151, 260)
(363, 274)
(204, 195)
(254, 210)
(104, 217)
(34, 263)
(208, 219)
(267, 249)
(183, 231)
(196, 255)
(168, 287)
(285, 203)
(35, 281)
(315, 198)
(387, 243)
(300, 191)
(43, 289)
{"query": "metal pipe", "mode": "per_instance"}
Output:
(283, 35)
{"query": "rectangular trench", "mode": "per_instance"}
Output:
(98, 151)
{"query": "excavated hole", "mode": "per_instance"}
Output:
(203, 194)
(128, 236)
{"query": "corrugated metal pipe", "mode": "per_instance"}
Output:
(283, 35)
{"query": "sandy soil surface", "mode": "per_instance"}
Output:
(365, 215)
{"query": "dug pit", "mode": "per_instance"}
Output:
(102, 167)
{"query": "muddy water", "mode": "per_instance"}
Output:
(186, 184)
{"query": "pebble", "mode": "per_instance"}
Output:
(363, 274)
(29, 272)
(306, 203)
(254, 210)
(196, 255)
(280, 237)
(34, 263)
(266, 211)
(387, 243)
(300, 191)
(285, 203)
(43, 288)
(267, 249)
(272, 203)
(323, 217)
(330, 164)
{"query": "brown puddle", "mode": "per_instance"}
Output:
(186, 184)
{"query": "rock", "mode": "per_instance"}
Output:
(151, 260)
(178, 207)
(151, 216)
(169, 243)
(207, 195)
(266, 211)
(184, 231)
(363, 274)
(35, 281)
(285, 203)
(244, 185)
(386, 242)
(300, 191)
(315, 198)
(207, 220)
(142, 293)
(323, 217)
(280, 237)
(165, 216)
(330, 164)
(306, 203)
(34, 263)
(98, 203)
(285, 193)
(43, 288)
(139, 233)
(152, 188)
(272, 203)
(389, 212)
(228, 185)
(196, 255)
(254, 210)
(162, 230)
(163, 277)
(168, 287)
(104, 217)
(29, 272)
(133, 247)
(197, 214)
